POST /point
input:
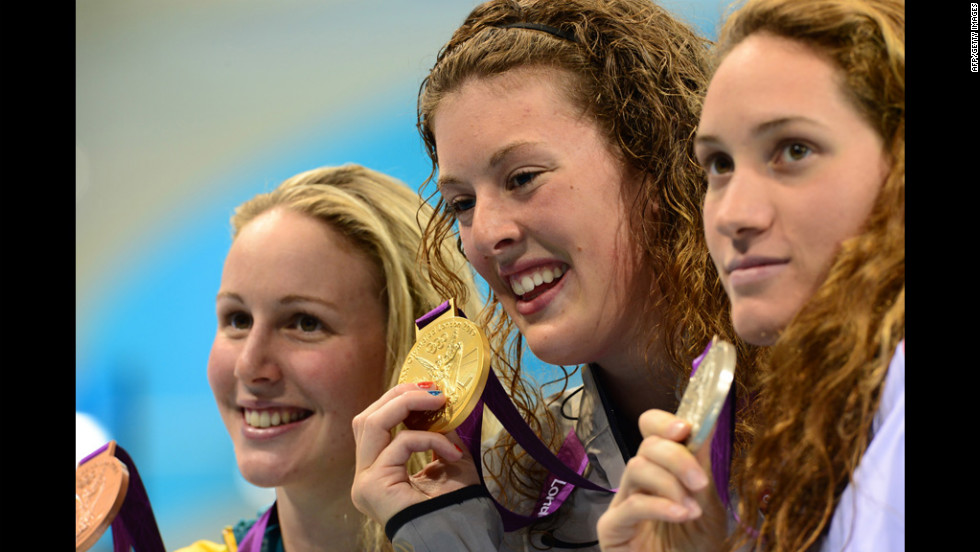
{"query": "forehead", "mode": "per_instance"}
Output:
(527, 82)
(301, 250)
(767, 73)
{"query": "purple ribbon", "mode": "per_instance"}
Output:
(135, 526)
(566, 468)
(253, 539)
(568, 465)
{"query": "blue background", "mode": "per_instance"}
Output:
(184, 109)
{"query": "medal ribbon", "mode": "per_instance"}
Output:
(253, 539)
(566, 467)
(135, 527)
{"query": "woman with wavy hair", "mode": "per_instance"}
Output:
(315, 312)
(803, 139)
(560, 136)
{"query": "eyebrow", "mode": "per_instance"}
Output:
(229, 295)
(762, 129)
(287, 300)
(495, 160)
(290, 299)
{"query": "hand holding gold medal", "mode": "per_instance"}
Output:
(454, 353)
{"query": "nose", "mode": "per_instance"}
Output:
(256, 363)
(495, 226)
(742, 208)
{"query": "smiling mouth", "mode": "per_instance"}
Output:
(272, 417)
(531, 284)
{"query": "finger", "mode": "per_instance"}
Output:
(675, 459)
(384, 399)
(642, 507)
(373, 430)
(408, 442)
(664, 424)
(642, 476)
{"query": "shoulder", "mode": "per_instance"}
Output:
(870, 514)
(891, 409)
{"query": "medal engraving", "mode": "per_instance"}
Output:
(100, 489)
(452, 352)
(706, 392)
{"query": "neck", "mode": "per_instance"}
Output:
(318, 520)
(633, 386)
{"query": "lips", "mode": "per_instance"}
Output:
(745, 263)
(745, 275)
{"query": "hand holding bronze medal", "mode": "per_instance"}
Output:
(706, 391)
(100, 489)
(452, 352)
(110, 493)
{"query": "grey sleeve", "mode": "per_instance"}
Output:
(462, 520)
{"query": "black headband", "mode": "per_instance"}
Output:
(554, 31)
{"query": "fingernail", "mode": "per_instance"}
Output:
(678, 511)
(696, 479)
(435, 392)
(676, 429)
(425, 384)
(692, 507)
(457, 447)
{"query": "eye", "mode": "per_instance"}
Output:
(718, 164)
(239, 320)
(460, 204)
(793, 152)
(523, 178)
(306, 323)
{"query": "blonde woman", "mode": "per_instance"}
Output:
(316, 312)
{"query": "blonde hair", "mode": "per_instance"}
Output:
(822, 381)
(382, 218)
(640, 74)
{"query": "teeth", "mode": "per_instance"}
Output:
(529, 281)
(270, 418)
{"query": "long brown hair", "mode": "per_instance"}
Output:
(821, 384)
(641, 75)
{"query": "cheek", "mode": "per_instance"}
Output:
(221, 367)
(480, 263)
(713, 238)
(354, 381)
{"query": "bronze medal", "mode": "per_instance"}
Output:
(100, 489)
(706, 392)
(452, 352)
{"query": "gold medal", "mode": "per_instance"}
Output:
(452, 352)
(100, 489)
(706, 392)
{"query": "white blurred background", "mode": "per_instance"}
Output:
(184, 109)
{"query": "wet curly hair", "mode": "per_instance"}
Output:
(640, 74)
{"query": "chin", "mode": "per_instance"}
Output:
(261, 470)
(754, 333)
